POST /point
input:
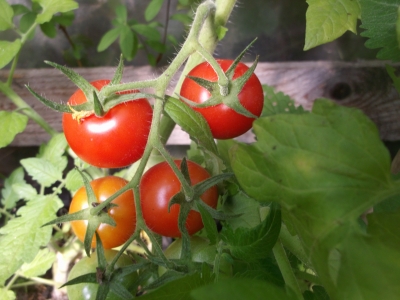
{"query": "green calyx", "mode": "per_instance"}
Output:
(95, 215)
(228, 95)
(98, 102)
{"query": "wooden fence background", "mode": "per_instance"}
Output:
(365, 85)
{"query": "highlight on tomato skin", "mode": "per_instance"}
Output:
(124, 214)
(224, 122)
(157, 187)
(115, 140)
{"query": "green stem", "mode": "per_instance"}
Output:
(36, 280)
(208, 39)
(293, 244)
(26, 108)
(188, 190)
(286, 269)
(24, 38)
(11, 281)
(6, 213)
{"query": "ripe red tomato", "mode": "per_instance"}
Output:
(224, 122)
(124, 214)
(89, 265)
(158, 185)
(114, 140)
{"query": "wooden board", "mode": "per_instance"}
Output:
(365, 85)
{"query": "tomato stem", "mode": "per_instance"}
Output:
(208, 39)
(286, 269)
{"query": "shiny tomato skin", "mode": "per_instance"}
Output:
(224, 122)
(114, 140)
(88, 265)
(158, 185)
(124, 214)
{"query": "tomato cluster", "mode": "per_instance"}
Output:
(119, 138)
(157, 187)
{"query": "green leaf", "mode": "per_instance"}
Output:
(192, 122)
(398, 27)
(6, 15)
(49, 29)
(19, 9)
(152, 9)
(54, 150)
(39, 265)
(379, 19)
(180, 288)
(73, 180)
(108, 38)
(24, 191)
(122, 13)
(11, 123)
(22, 237)
(239, 289)
(209, 224)
(27, 21)
(221, 32)
(265, 269)
(9, 195)
(8, 51)
(380, 253)
(251, 244)
(7, 294)
(51, 7)
(317, 293)
(157, 46)
(66, 19)
(126, 41)
(326, 20)
(331, 162)
(147, 31)
(183, 18)
(325, 168)
(42, 170)
(247, 209)
(278, 103)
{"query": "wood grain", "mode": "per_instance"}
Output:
(365, 85)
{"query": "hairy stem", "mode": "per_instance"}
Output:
(286, 269)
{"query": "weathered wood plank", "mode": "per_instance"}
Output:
(365, 85)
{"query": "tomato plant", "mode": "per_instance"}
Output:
(157, 187)
(291, 217)
(94, 138)
(124, 214)
(224, 122)
(89, 265)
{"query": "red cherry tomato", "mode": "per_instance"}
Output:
(124, 214)
(158, 185)
(114, 140)
(224, 122)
